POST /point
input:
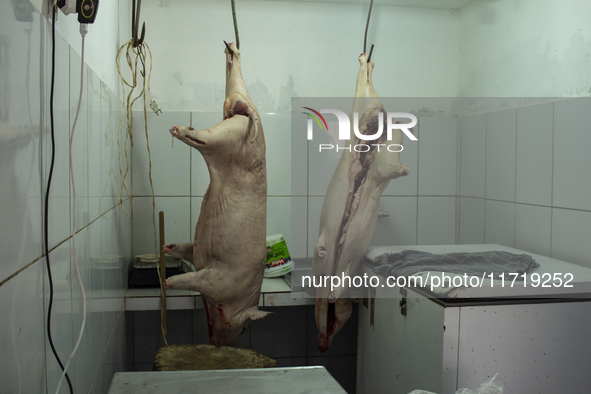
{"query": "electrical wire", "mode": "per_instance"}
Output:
(140, 57)
(83, 30)
(46, 212)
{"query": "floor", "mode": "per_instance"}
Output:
(289, 337)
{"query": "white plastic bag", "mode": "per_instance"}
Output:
(421, 392)
(493, 385)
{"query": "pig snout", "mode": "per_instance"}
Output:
(186, 134)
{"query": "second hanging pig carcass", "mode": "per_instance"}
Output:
(350, 209)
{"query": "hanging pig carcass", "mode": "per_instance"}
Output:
(229, 250)
(350, 210)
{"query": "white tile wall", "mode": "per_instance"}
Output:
(436, 220)
(314, 211)
(170, 166)
(279, 218)
(571, 186)
(299, 158)
(437, 156)
(500, 155)
(110, 169)
(499, 223)
(321, 165)
(400, 228)
(25, 76)
(534, 154)
(472, 155)
(176, 218)
(95, 151)
(299, 227)
(471, 220)
(407, 185)
(299, 66)
(570, 236)
(550, 165)
(533, 226)
(22, 342)
(277, 129)
(80, 138)
(20, 237)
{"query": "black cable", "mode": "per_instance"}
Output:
(46, 213)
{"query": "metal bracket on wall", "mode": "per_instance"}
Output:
(403, 302)
(372, 306)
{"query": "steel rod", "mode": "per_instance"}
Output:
(366, 26)
(236, 24)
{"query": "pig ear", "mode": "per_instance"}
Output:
(255, 314)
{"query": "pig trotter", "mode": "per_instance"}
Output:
(180, 251)
(402, 170)
(332, 297)
(175, 130)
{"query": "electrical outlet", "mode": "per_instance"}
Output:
(46, 8)
(66, 6)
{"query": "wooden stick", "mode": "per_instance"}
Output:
(162, 279)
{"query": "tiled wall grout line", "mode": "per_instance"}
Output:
(55, 247)
(100, 363)
(515, 187)
(485, 161)
(417, 190)
(458, 177)
(552, 183)
(522, 203)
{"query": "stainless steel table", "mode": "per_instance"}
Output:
(294, 380)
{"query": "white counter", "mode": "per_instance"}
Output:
(274, 292)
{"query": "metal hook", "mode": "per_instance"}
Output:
(235, 25)
(367, 28)
(135, 20)
(229, 49)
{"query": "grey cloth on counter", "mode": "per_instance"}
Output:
(410, 262)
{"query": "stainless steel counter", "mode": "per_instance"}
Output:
(260, 381)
